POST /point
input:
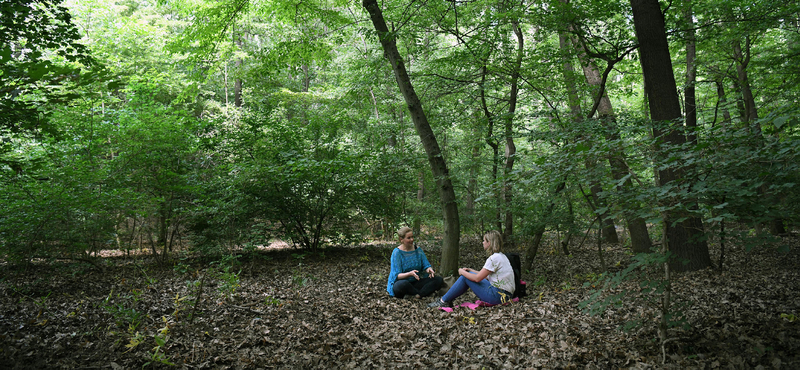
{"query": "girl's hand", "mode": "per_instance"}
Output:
(413, 273)
(431, 272)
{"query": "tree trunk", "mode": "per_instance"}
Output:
(472, 184)
(492, 142)
(722, 102)
(511, 149)
(538, 232)
(690, 101)
(237, 82)
(452, 232)
(417, 227)
(737, 88)
(751, 114)
(742, 61)
(609, 231)
(637, 228)
(686, 241)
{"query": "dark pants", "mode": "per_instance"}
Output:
(424, 287)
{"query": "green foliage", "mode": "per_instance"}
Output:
(299, 277)
(42, 302)
(228, 280)
(157, 353)
(39, 50)
(123, 309)
(293, 179)
(322, 151)
(271, 301)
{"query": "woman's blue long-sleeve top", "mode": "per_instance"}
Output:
(403, 261)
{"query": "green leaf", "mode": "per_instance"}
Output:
(780, 121)
(5, 54)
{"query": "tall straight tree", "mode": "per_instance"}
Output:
(511, 149)
(452, 231)
(689, 94)
(684, 232)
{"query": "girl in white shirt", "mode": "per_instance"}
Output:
(493, 284)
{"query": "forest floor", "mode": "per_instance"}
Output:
(294, 309)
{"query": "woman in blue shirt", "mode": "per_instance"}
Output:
(411, 274)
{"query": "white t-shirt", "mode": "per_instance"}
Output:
(502, 275)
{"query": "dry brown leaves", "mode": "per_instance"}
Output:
(332, 311)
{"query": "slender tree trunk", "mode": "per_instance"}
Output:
(609, 231)
(237, 88)
(742, 61)
(472, 184)
(237, 82)
(538, 232)
(690, 100)
(637, 228)
(685, 237)
(492, 142)
(751, 113)
(511, 149)
(722, 102)
(452, 232)
(737, 88)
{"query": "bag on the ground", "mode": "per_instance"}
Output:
(520, 289)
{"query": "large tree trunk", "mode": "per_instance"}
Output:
(685, 238)
(452, 232)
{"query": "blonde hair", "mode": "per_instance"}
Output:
(495, 241)
(403, 231)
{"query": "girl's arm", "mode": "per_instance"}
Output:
(395, 266)
(409, 274)
(426, 266)
(482, 274)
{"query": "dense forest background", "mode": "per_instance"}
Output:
(215, 128)
(219, 125)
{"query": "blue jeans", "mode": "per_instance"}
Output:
(483, 289)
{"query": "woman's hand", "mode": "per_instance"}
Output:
(473, 275)
(408, 274)
(430, 271)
